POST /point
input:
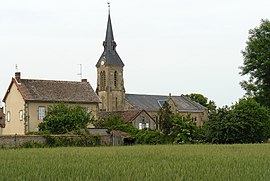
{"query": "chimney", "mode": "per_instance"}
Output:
(84, 80)
(18, 76)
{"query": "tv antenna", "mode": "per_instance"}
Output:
(80, 73)
(16, 68)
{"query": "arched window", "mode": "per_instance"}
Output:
(115, 78)
(102, 80)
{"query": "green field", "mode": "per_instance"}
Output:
(162, 162)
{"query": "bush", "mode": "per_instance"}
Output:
(82, 141)
(183, 129)
(149, 137)
(244, 122)
(62, 118)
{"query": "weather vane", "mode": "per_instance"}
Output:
(109, 6)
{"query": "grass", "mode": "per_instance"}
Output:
(161, 162)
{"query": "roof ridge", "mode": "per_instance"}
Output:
(147, 94)
(53, 80)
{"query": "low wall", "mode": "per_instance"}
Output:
(17, 140)
(9, 141)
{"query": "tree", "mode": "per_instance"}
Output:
(244, 122)
(257, 64)
(165, 115)
(62, 118)
(110, 122)
(183, 129)
(199, 98)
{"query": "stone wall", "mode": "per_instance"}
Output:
(17, 140)
(9, 141)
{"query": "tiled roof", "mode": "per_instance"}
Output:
(155, 102)
(57, 91)
(128, 116)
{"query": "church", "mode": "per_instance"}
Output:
(114, 99)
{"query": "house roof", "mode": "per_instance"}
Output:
(155, 102)
(55, 91)
(109, 55)
(128, 116)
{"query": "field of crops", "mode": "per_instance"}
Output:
(162, 162)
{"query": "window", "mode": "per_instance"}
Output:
(147, 125)
(102, 80)
(140, 126)
(21, 115)
(8, 116)
(41, 113)
(115, 78)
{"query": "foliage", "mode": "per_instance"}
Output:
(45, 132)
(244, 122)
(257, 64)
(82, 141)
(183, 129)
(31, 144)
(199, 98)
(165, 115)
(128, 128)
(149, 162)
(151, 137)
(62, 118)
(110, 122)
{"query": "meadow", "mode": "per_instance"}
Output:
(158, 162)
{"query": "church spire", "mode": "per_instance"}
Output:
(109, 55)
(109, 42)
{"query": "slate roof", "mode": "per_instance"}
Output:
(56, 91)
(109, 55)
(128, 116)
(184, 104)
(146, 102)
(155, 102)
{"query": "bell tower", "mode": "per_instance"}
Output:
(110, 80)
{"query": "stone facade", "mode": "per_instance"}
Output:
(110, 87)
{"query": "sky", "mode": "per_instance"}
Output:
(174, 46)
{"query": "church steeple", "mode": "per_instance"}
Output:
(110, 80)
(109, 55)
(109, 42)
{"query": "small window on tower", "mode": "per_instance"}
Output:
(115, 78)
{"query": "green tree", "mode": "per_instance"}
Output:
(183, 129)
(257, 64)
(165, 115)
(62, 118)
(110, 122)
(199, 98)
(244, 122)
